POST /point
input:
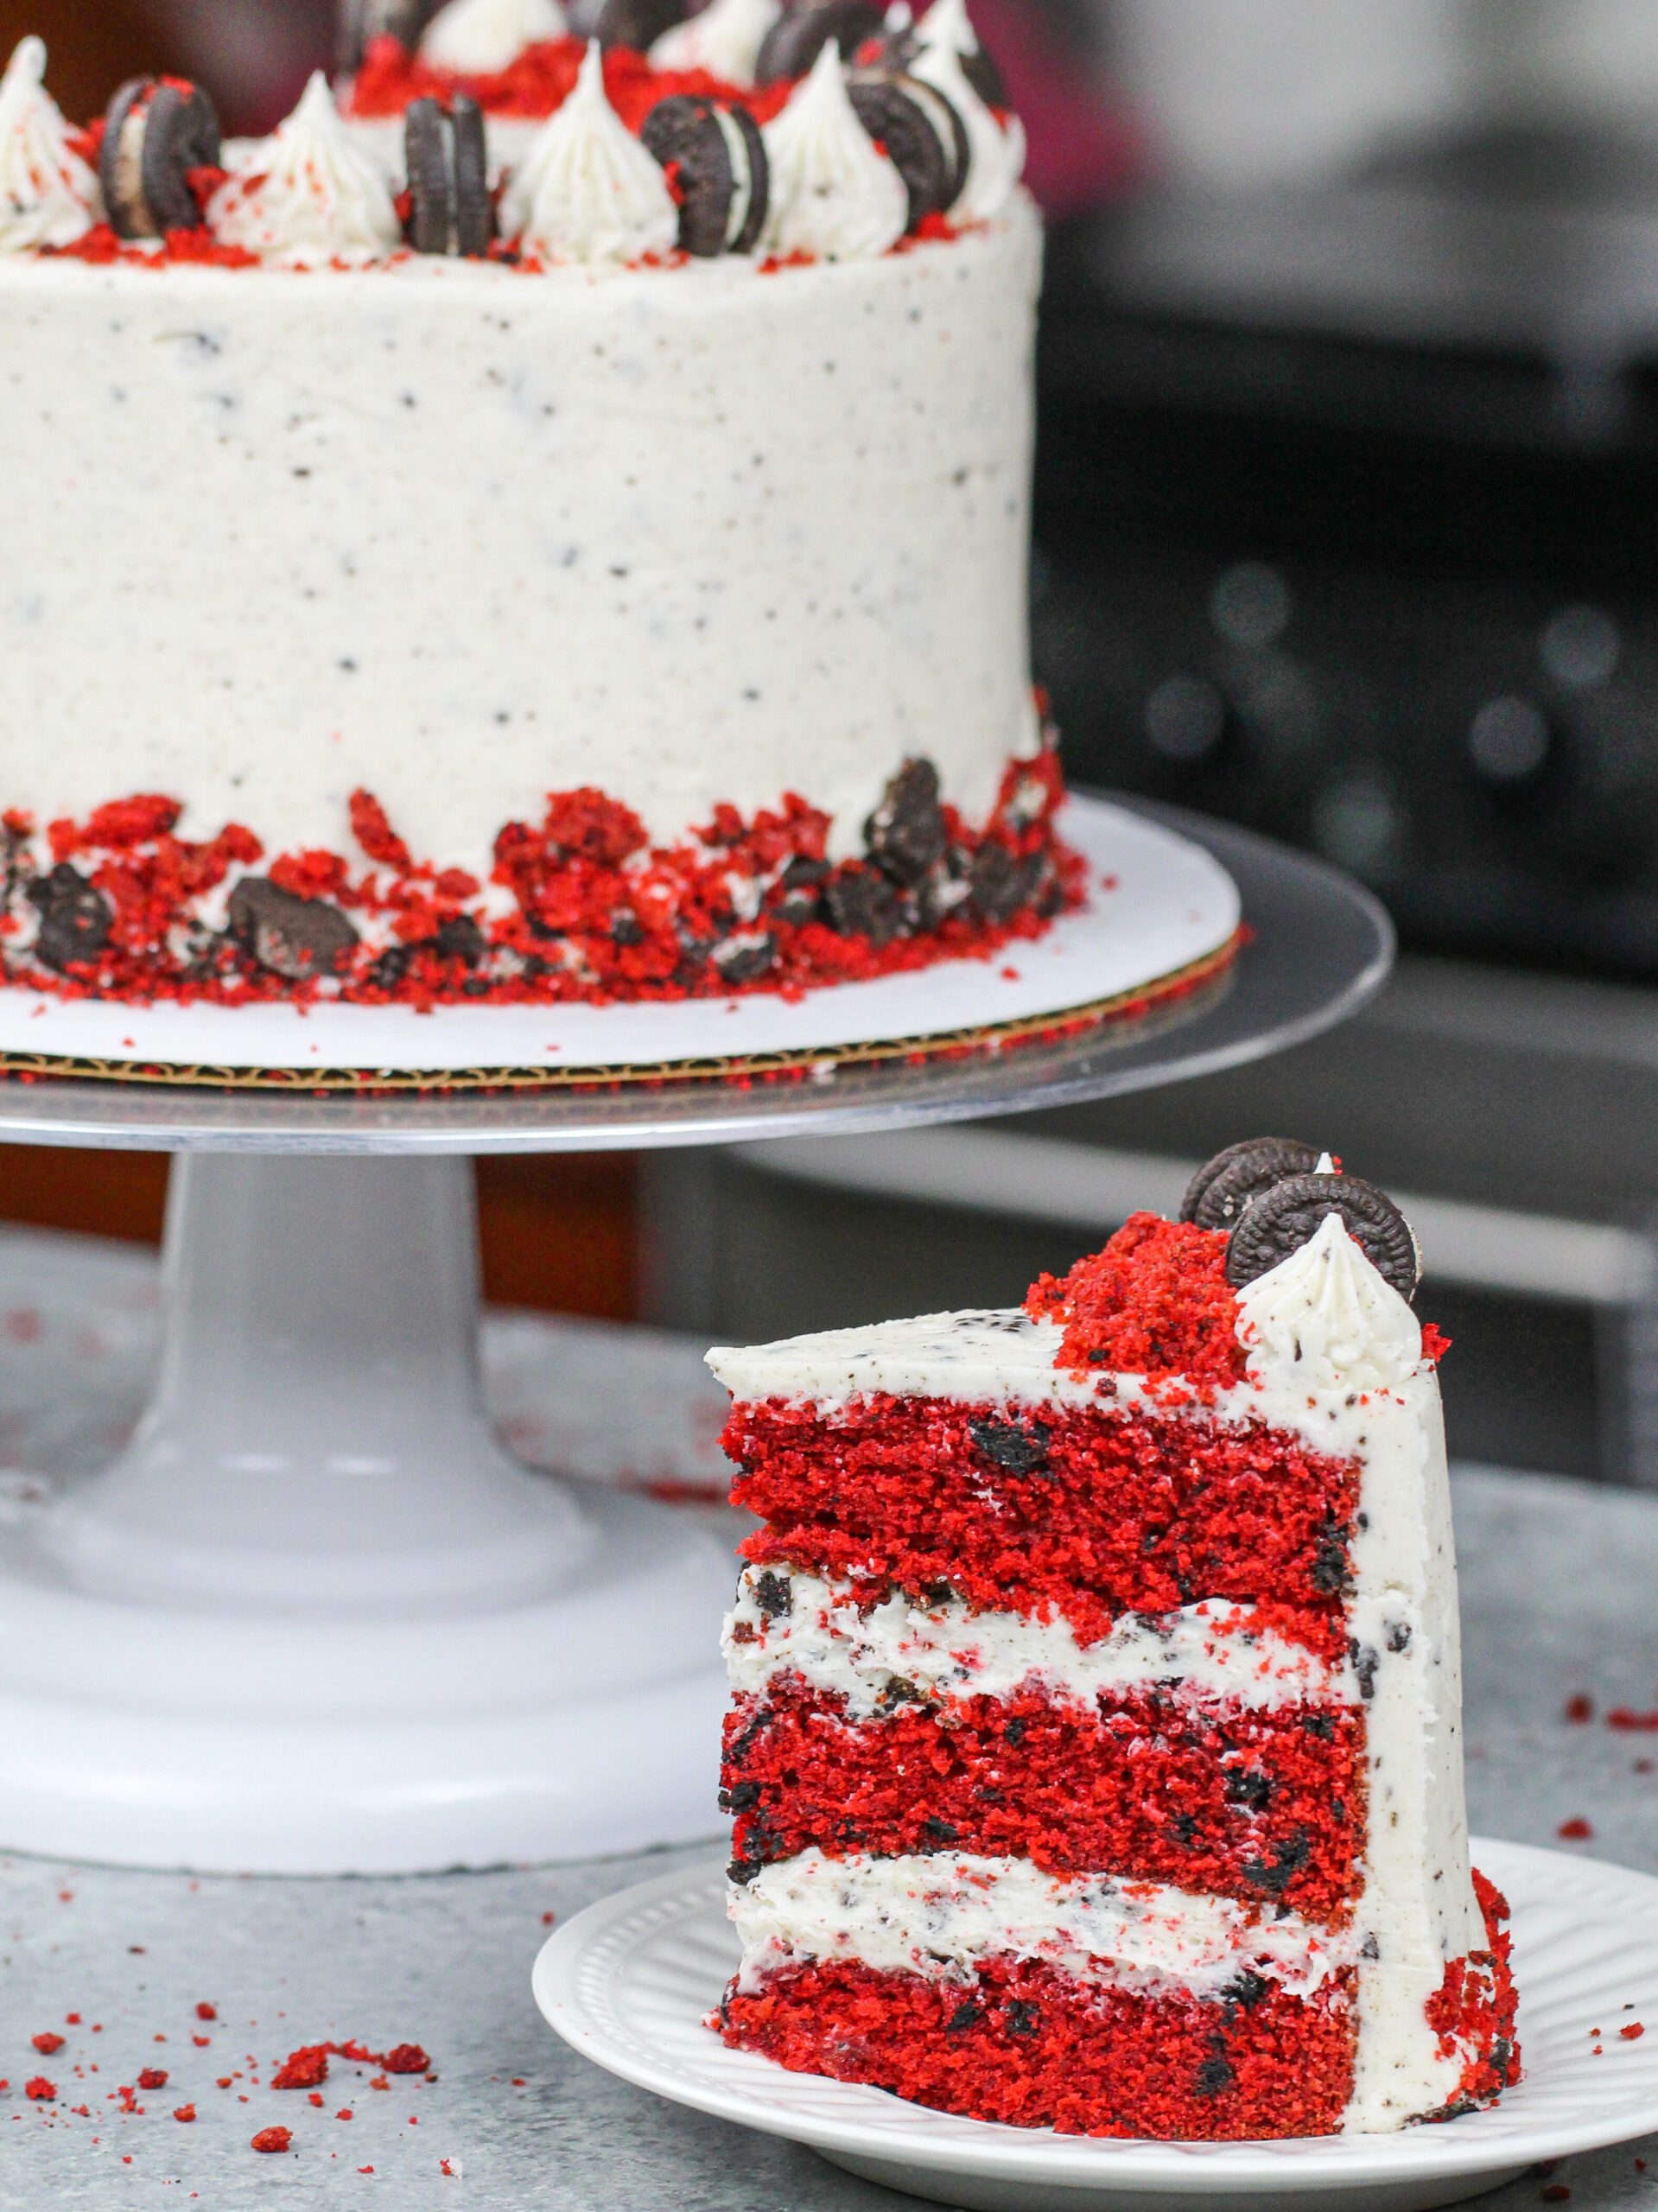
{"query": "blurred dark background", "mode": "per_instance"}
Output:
(1347, 528)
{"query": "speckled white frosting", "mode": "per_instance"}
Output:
(465, 537)
(943, 1912)
(48, 195)
(1335, 1358)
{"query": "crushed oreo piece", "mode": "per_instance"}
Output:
(925, 140)
(797, 895)
(905, 835)
(636, 24)
(1321, 1724)
(742, 958)
(718, 159)
(965, 2016)
(1021, 1451)
(155, 132)
(1329, 1567)
(801, 33)
(773, 1594)
(1287, 1861)
(460, 938)
(1002, 882)
(1223, 1187)
(1246, 1785)
(1247, 1987)
(938, 1832)
(1369, 1948)
(292, 937)
(1289, 1215)
(75, 918)
(450, 209)
(740, 1797)
(862, 903)
(1021, 2017)
(626, 927)
(897, 1690)
(1212, 2076)
(1366, 1659)
(388, 970)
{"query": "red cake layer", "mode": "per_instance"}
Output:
(541, 79)
(1129, 1511)
(115, 905)
(1030, 2046)
(1474, 2011)
(1258, 1805)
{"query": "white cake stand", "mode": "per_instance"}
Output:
(314, 1618)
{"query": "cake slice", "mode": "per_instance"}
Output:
(1095, 1741)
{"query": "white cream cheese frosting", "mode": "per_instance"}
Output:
(1327, 1314)
(587, 191)
(1215, 1652)
(725, 39)
(834, 193)
(941, 1913)
(48, 195)
(996, 151)
(309, 195)
(480, 38)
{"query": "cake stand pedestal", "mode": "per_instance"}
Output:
(314, 1618)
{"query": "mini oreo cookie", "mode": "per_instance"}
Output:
(450, 210)
(156, 130)
(718, 159)
(636, 24)
(293, 937)
(1222, 1188)
(1281, 1220)
(801, 33)
(925, 140)
(979, 68)
(907, 834)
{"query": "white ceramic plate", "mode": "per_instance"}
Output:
(629, 1981)
(1168, 905)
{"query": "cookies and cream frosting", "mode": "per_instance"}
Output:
(48, 195)
(587, 191)
(308, 196)
(834, 193)
(478, 38)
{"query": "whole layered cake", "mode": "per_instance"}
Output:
(550, 522)
(1095, 1742)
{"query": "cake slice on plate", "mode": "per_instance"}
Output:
(1095, 1741)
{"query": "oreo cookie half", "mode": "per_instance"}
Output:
(799, 36)
(156, 130)
(1282, 1219)
(1222, 1188)
(361, 21)
(718, 160)
(637, 25)
(450, 210)
(925, 140)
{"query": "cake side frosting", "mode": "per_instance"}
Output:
(1311, 1375)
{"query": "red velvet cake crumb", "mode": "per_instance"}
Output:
(1474, 2008)
(1155, 1302)
(1263, 1805)
(1028, 2045)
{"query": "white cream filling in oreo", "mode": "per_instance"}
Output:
(742, 176)
(940, 1914)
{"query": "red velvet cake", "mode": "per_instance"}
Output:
(1095, 1746)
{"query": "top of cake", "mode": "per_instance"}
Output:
(489, 133)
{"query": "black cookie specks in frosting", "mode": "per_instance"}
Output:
(715, 158)
(450, 209)
(157, 131)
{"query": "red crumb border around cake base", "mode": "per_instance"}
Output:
(1026, 2044)
(1129, 1511)
(1267, 1807)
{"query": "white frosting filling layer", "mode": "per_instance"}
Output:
(478, 38)
(833, 193)
(309, 195)
(941, 1913)
(725, 39)
(1335, 1360)
(48, 195)
(1214, 1652)
(587, 191)
(466, 537)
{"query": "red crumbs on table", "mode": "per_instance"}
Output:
(1435, 1342)
(1155, 1302)
(46, 2044)
(273, 2138)
(1632, 2032)
(1580, 1709)
(152, 2078)
(40, 2090)
(1639, 1723)
(1576, 1830)
(185, 2113)
(206, 2011)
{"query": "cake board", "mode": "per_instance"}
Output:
(314, 1618)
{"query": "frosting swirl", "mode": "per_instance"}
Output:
(48, 195)
(996, 156)
(1326, 1314)
(587, 191)
(480, 38)
(724, 38)
(310, 195)
(833, 192)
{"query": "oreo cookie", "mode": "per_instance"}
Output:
(360, 22)
(75, 918)
(717, 159)
(801, 33)
(1220, 1189)
(925, 139)
(980, 67)
(293, 937)
(1281, 1220)
(636, 24)
(450, 210)
(906, 834)
(156, 130)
